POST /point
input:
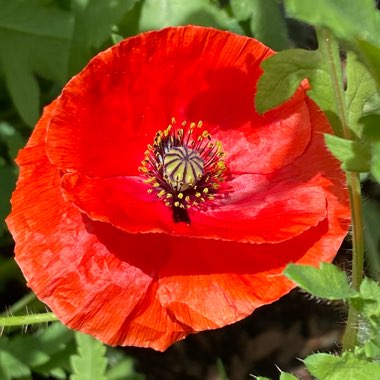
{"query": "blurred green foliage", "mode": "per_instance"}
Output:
(44, 42)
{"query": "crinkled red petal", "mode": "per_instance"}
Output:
(88, 284)
(257, 211)
(153, 289)
(254, 276)
(113, 108)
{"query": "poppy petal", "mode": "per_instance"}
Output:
(281, 211)
(90, 268)
(268, 143)
(83, 281)
(114, 107)
(235, 286)
(244, 277)
(78, 192)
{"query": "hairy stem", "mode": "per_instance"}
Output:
(27, 319)
(329, 50)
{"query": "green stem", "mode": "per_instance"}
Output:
(357, 229)
(329, 50)
(27, 319)
(350, 335)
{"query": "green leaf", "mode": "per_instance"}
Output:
(3, 375)
(368, 306)
(372, 105)
(268, 24)
(371, 133)
(328, 282)
(346, 18)
(242, 9)
(370, 54)
(221, 370)
(371, 350)
(121, 367)
(375, 164)
(123, 370)
(116, 38)
(158, 14)
(34, 39)
(11, 367)
(287, 376)
(59, 363)
(356, 22)
(354, 155)
(347, 367)
(283, 74)
(94, 20)
(46, 342)
(370, 294)
(360, 89)
(90, 363)
(371, 130)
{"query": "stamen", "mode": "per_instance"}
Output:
(184, 167)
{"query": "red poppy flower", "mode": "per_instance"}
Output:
(155, 202)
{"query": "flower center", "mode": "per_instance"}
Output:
(184, 168)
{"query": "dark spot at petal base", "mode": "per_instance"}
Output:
(180, 215)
